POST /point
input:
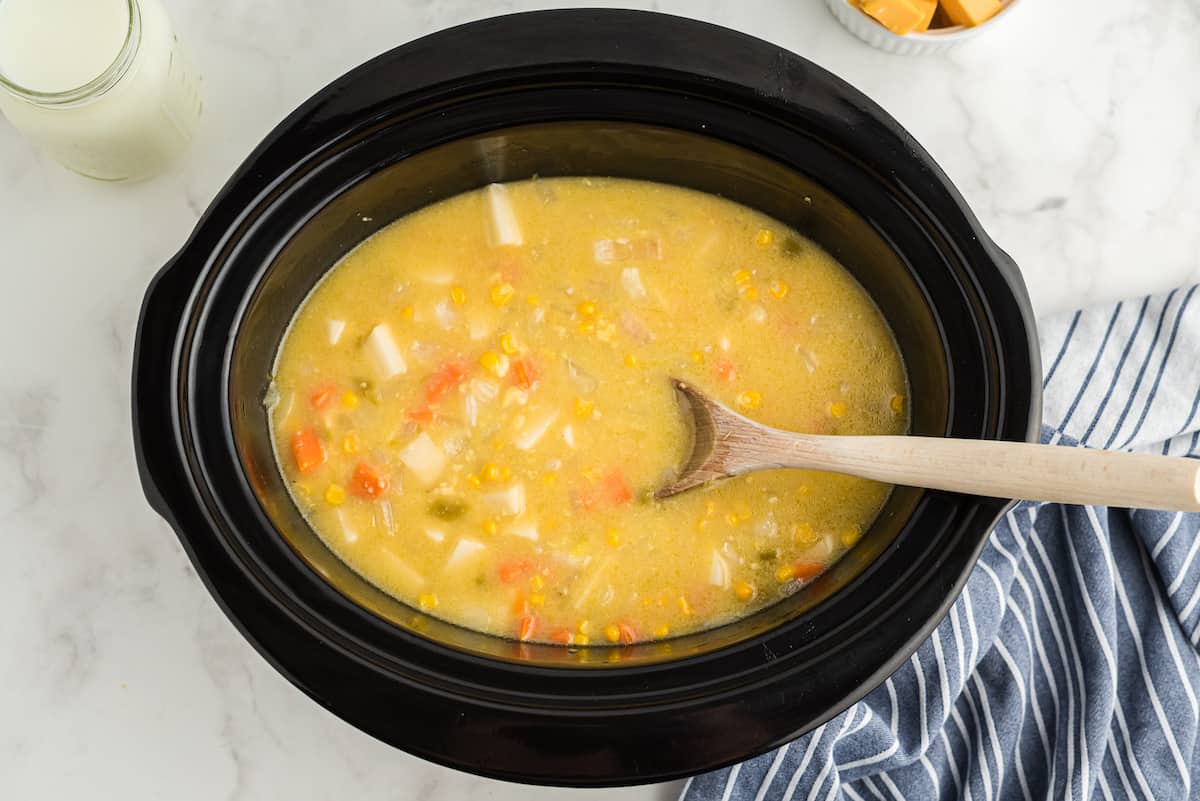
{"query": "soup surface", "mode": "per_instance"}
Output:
(473, 408)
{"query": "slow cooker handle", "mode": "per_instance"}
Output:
(156, 440)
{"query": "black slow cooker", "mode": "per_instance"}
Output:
(615, 93)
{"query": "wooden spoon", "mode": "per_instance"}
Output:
(726, 444)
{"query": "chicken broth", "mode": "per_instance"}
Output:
(473, 408)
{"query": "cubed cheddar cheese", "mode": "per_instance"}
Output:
(901, 16)
(970, 12)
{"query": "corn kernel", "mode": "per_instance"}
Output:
(407, 312)
(631, 360)
(501, 294)
(612, 633)
(749, 292)
(763, 238)
(584, 407)
(580, 639)
(533, 300)
(697, 357)
(662, 631)
(780, 289)
(587, 326)
(349, 443)
(537, 599)
(614, 537)
(458, 295)
(804, 534)
(349, 399)
(837, 409)
(701, 524)
(742, 277)
(585, 626)
(505, 473)
(710, 507)
(732, 519)
(536, 581)
(427, 600)
(494, 363)
(750, 399)
(784, 573)
(743, 591)
(490, 472)
(508, 344)
(684, 607)
(586, 309)
(549, 479)
(849, 536)
(898, 404)
(335, 495)
(473, 480)
(490, 527)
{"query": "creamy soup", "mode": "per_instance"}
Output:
(473, 408)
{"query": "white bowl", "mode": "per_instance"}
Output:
(876, 35)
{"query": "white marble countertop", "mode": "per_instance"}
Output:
(1073, 132)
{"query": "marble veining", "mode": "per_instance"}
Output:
(1072, 132)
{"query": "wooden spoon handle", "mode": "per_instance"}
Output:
(1009, 469)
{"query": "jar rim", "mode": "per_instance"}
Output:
(97, 85)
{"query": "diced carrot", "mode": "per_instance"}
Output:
(805, 570)
(614, 487)
(561, 636)
(524, 374)
(367, 482)
(520, 606)
(726, 371)
(527, 627)
(307, 450)
(448, 376)
(420, 414)
(511, 571)
(323, 396)
(628, 633)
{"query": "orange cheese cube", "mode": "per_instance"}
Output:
(970, 12)
(900, 16)
(928, 8)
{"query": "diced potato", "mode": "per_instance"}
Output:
(631, 282)
(465, 552)
(509, 501)
(535, 429)
(504, 228)
(398, 571)
(718, 571)
(335, 328)
(424, 458)
(384, 351)
(526, 529)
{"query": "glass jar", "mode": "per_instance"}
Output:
(127, 122)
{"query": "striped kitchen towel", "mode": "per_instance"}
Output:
(1068, 668)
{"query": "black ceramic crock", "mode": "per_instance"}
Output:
(574, 93)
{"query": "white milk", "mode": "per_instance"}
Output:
(101, 85)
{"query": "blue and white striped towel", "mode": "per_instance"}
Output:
(1068, 668)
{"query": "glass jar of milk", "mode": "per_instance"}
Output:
(102, 86)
